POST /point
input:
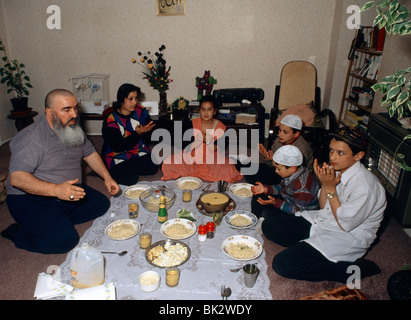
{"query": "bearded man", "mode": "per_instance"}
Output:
(45, 193)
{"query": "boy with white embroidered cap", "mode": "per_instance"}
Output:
(289, 133)
(296, 192)
(323, 244)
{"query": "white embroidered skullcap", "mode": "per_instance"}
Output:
(288, 156)
(292, 121)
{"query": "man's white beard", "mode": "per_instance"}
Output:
(71, 136)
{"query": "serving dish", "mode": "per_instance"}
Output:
(235, 189)
(122, 229)
(133, 192)
(180, 255)
(242, 239)
(196, 183)
(150, 199)
(186, 223)
(231, 206)
(213, 201)
(246, 214)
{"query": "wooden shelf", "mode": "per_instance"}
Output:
(356, 75)
(361, 59)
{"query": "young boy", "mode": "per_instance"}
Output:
(323, 243)
(296, 192)
(289, 133)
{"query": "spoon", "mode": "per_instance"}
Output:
(225, 292)
(122, 253)
(236, 269)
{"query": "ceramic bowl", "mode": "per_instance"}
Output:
(149, 281)
(213, 201)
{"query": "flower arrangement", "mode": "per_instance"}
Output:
(155, 69)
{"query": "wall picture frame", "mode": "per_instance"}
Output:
(170, 7)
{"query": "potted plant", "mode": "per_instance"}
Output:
(13, 75)
(396, 88)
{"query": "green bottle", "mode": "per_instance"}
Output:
(162, 212)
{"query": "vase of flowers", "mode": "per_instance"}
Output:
(157, 74)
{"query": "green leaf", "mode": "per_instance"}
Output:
(402, 97)
(394, 91)
(383, 4)
(407, 29)
(367, 6)
(390, 112)
(401, 80)
(393, 7)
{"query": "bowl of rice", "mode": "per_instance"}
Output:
(150, 199)
(149, 281)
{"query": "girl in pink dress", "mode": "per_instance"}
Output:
(203, 158)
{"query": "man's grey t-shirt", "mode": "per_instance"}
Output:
(37, 150)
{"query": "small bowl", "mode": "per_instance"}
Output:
(149, 281)
(150, 199)
(213, 201)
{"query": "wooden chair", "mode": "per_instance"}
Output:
(298, 90)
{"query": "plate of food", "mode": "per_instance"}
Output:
(133, 192)
(241, 190)
(190, 183)
(122, 229)
(167, 253)
(241, 247)
(178, 229)
(240, 219)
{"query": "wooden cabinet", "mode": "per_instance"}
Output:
(362, 74)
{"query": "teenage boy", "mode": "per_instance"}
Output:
(323, 244)
(289, 133)
(296, 192)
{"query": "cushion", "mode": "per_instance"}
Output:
(303, 111)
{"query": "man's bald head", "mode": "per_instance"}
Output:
(52, 95)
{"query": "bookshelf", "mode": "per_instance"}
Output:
(362, 73)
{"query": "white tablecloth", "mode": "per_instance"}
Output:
(201, 276)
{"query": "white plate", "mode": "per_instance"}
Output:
(119, 223)
(236, 187)
(249, 215)
(180, 181)
(187, 223)
(137, 187)
(256, 245)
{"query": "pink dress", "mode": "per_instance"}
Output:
(205, 161)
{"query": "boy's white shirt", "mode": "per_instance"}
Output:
(363, 202)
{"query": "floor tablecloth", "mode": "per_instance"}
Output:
(201, 276)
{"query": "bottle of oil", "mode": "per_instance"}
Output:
(162, 212)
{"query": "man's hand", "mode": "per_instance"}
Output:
(68, 191)
(111, 186)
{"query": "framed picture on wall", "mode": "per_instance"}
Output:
(170, 7)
